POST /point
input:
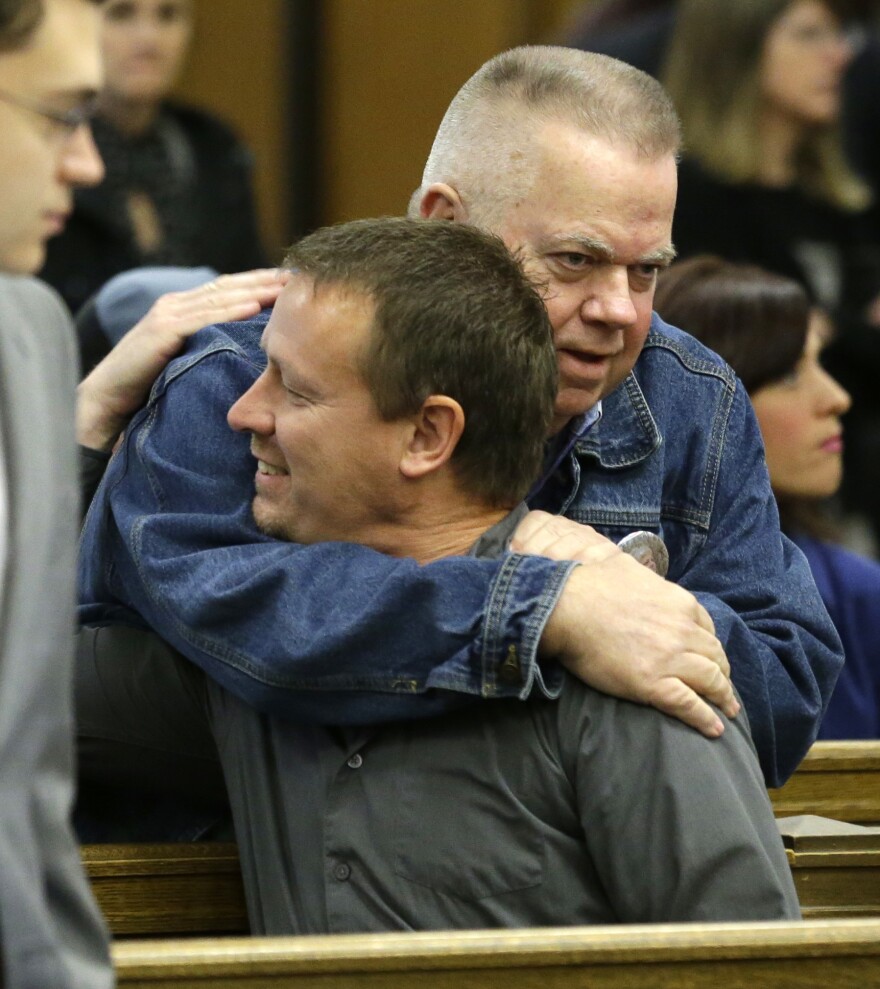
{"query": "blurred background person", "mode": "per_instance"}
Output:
(764, 327)
(635, 31)
(758, 85)
(178, 185)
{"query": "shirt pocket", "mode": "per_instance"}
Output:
(462, 834)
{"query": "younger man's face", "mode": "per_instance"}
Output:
(41, 161)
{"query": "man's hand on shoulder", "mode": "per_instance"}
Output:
(624, 630)
(119, 385)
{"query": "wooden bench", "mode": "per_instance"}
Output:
(195, 889)
(836, 866)
(187, 888)
(842, 954)
(840, 780)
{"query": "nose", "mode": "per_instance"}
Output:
(840, 51)
(252, 412)
(608, 298)
(836, 399)
(81, 163)
(149, 34)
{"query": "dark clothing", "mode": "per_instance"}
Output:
(196, 174)
(827, 249)
(850, 587)
(833, 254)
(588, 810)
(640, 39)
(92, 464)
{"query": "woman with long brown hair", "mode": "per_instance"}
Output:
(758, 86)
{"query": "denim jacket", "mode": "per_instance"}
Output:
(339, 633)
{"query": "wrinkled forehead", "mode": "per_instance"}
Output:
(589, 187)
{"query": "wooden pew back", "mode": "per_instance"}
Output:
(836, 866)
(195, 889)
(187, 888)
(840, 780)
(810, 955)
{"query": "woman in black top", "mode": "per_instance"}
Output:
(758, 87)
(178, 188)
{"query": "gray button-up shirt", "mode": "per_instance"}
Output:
(584, 810)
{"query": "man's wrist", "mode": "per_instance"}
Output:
(97, 428)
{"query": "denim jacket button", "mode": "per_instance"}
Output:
(509, 670)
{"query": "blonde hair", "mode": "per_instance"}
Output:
(712, 73)
(485, 145)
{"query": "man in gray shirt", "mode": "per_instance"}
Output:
(410, 383)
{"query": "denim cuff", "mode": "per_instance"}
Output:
(521, 599)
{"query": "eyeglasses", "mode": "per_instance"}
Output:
(67, 121)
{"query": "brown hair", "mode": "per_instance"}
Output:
(756, 321)
(712, 73)
(454, 315)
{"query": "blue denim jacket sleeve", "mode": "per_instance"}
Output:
(784, 652)
(679, 452)
(327, 632)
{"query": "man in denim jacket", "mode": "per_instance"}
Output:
(571, 159)
(508, 815)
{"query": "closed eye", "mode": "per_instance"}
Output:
(295, 396)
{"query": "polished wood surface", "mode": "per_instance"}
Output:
(840, 780)
(195, 889)
(192, 888)
(836, 866)
(811, 955)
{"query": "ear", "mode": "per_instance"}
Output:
(437, 428)
(441, 202)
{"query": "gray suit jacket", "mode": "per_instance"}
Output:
(51, 932)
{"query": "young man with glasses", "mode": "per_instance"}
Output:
(51, 934)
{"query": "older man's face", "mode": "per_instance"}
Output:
(593, 230)
(41, 160)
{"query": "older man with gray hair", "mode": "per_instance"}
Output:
(570, 157)
(377, 421)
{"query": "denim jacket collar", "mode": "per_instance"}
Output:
(627, 433)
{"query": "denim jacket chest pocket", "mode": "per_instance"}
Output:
(462, 826)
(629, 476)
(681, 524)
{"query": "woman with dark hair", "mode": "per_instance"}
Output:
(758, 85)
(178, 184)
(764, 327)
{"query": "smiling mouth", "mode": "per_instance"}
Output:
(269, 469)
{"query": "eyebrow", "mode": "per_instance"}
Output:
(604, 252)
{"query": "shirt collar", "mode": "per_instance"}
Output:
(628, 433)
(561, 445)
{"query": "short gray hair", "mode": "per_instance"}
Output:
(484, 148)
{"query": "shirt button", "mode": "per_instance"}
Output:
(356, 761)
(342, 872)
